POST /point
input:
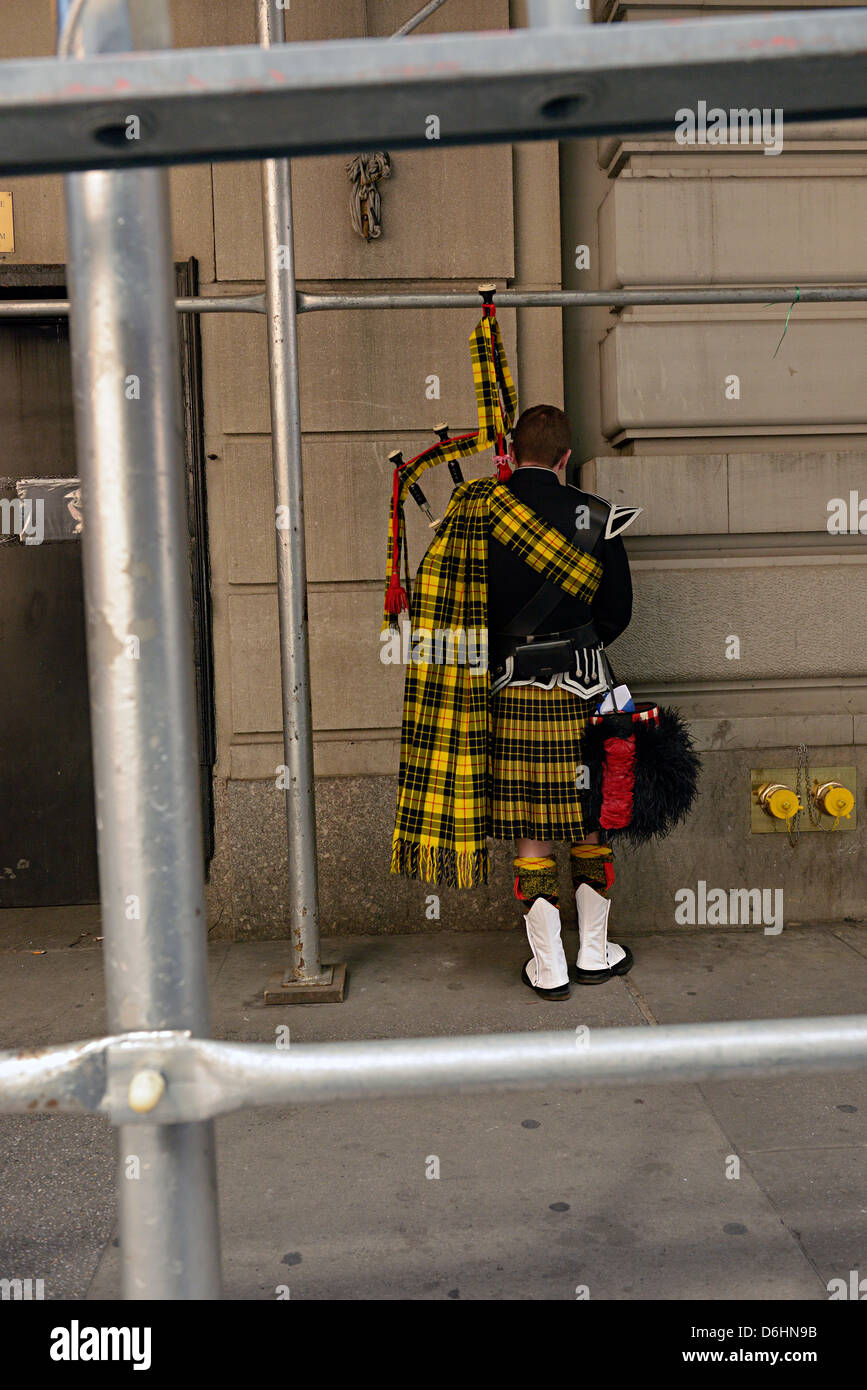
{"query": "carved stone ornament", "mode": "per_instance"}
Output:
(365, 172)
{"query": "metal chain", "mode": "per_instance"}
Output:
(808, 800)
(812, 805)
(793, 826)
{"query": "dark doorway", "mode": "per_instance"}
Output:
(47, 822)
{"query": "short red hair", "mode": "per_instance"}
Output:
(542, 435)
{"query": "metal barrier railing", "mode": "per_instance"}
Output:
(158, 1077)
(170, 1077)
(366, 94)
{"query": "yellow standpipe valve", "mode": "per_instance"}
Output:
(779, 801)
(834, 799)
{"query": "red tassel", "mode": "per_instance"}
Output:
(618, 781)
(396, 600)
(395, 596)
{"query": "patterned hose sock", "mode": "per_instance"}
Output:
(593, 865)
(536, 878)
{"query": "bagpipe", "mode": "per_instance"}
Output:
(496, 406)
(644, 769)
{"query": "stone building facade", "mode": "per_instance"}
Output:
(735, 484)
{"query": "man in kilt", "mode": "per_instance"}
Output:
(547, 677)
(492, 749)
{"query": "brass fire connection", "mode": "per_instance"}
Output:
(778, 800)
(834, 799)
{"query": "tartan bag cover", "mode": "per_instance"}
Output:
(442, 817)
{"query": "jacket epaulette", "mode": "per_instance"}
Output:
(619, 518)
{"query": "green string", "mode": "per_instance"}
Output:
(788, 316)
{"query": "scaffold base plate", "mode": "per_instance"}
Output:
(282, 989)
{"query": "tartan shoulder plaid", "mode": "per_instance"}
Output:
(441, 826)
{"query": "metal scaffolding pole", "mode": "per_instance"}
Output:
(506, 299)
(138, 607)
(419, 18)
(579, 299)
(307, 980)
(198, 304)
(557, 14)
(207, 1077)
(327, 97)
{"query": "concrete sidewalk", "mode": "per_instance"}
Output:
(541, 1194)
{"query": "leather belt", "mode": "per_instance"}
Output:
(502, 646)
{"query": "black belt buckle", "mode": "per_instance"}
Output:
(542, 660)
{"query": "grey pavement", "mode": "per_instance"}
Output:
(544, 1194)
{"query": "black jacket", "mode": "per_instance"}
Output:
(512, 583)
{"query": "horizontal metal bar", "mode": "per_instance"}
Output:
(224, 304)
(581, 299)
(246, 102)
(505, 299)
(70, 1077)
(197, 304)
(171, 1078)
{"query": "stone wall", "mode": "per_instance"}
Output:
(736, 481)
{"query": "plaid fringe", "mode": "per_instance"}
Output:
(437, 864)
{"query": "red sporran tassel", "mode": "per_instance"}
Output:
(618, 781)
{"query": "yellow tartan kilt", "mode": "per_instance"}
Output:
(535, 763)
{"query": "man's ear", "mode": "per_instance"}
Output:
(512, 451)
(561, 464)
